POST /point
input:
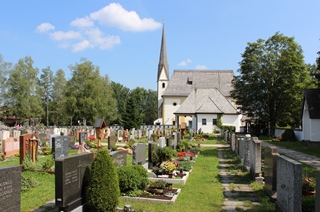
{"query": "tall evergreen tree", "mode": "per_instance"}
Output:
(121, 94)
(45, 90)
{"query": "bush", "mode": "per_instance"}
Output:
(308, 203)
(132, 178)
(288, 135)
(103, 190)
(162, 154)
(27, 183)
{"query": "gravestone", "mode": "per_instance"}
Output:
(24, 147)
(162, 142)
(10, 188)
(174, 141)
(4, 134)
(16, 133)
(42, 137)
(139, 153)
(246, 151)
(289, 185)
(317, 208)
(255, 157)
(71, 180)
(10, 146)
(83, 136)
(152, 147)
(60, 146)
(270, 170)
(112, 140)
(119, 158)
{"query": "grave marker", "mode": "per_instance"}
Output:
(119, 158)
(60, 146)
(71, 180)
(10, 188)
(139, 153)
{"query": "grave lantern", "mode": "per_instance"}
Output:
(99, 125)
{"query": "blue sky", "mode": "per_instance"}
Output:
(123, 37)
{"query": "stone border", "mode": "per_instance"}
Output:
(141, 199)
(172, 180)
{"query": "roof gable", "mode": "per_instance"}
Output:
(206, 101)
(183, 82)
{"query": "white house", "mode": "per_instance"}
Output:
(195, 97)
(311, 115)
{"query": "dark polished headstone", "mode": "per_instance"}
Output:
(83, 137)
(119, 158)
(60, 146)
(10, 188)
(71, 180)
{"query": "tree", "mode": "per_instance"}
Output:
(4, 69)
(150, 110)
(121, 94)
(272, 78)
(21, 97)
(103, 191)
(45, 89)
(88, 94)
(58, 106)
(318, 68)
(131, 116)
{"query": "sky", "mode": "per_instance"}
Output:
(123, 38)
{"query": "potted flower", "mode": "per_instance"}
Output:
(167, 167)
(308, 186)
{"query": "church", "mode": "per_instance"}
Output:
(196, 98)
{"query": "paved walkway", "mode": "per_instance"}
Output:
(298, 156)
(237, 192)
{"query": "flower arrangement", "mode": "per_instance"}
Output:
(167, 166)
(184, 154)
(308, 184)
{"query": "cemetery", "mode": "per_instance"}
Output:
(155, 167)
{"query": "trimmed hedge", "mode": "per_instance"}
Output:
(103, 190)
(132, 178)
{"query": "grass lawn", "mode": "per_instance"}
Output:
(202, 192)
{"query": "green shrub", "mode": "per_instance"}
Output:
(28, 183)
(143, 175)
(103, 190)
(132, 178)
(162, 154)
(308, 203)
(48, 164)
(288, 135)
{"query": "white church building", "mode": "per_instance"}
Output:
(195, 97)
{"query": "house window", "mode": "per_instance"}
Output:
(214, 121)
(163, 85)
(173, 122)
(174, 104)
(204, 121)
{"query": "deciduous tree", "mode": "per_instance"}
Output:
(272, 78)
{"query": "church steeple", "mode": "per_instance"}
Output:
(163, 60)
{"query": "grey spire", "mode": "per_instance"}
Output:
(163, 60)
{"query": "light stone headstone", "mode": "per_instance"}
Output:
(4, 134)
(255, 157)
(289, 185)
(162, 142)
(16, 133)
(139, 153)
(246, 151)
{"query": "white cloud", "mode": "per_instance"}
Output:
(80, 46)
(87, 35)
(201, 67)
(97, 38)
(115, 15)
(44, 27)
(82, 22)
(185, 62)
(60, 35)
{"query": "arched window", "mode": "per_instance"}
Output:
(163, 85)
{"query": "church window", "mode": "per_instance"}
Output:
(204, 121)
(174, 104)
(163, 85)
